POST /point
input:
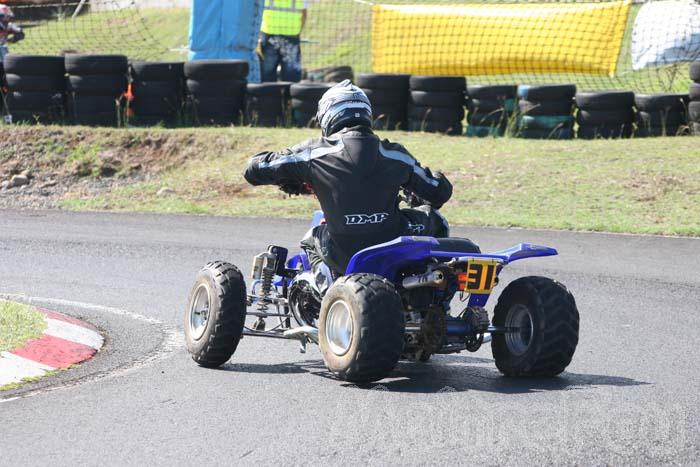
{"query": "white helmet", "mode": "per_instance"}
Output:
(342, 106)
(6, 13)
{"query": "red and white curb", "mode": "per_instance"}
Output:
(65, 342)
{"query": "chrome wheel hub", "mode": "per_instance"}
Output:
(339, 328)
(199, 311)
(519, 317)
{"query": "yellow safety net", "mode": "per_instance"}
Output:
(498, 39)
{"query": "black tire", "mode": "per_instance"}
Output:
(488, 119)
(32, 117)
(545, 122)
(695, 128)
(694, 92)
(97, 85)
(46, 65)
(694, 112)
(492, 92)
(608, 100)
(435, 113)
(383, 81)
(694, 71)
(386, 119)
(78, 64)
(166, 89)
(661, 102)
(33, 101)
(661, 119)
(552, 312)
(654, 131)
(449, 128)
(605, 131)
(477, 131)
(375, 310)
(536, 133)
(437, 83)
(439, 99)
(309, 91)
(157, 71)
(206, 70)
(225, 288)
(555, 92)
(604, 117)
(338, 76)
(554, 107)
(216, 88)
(93, 110)
(490, 105)
(305, 106)
(161, 106)
(384, 97)
(268, 89)
(304, 119)
(36, 83)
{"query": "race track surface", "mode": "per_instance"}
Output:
(630, 395)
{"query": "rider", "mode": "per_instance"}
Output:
(7, 29)
(357, 178)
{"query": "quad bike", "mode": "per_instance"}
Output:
(392, 303)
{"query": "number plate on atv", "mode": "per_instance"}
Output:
(480, 276)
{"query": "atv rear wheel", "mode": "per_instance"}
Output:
(545, 312)
(361, 328)
(215, 314)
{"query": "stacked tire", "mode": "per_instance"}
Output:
(267, 104)
(546, 112)
(436, 104)
(216, 90)
(661, 114)
(694, 105)
(3, 87)
(158, 92)
(388, 94)
(490, 108)
(330, 74)
(605, 114)
(95, 87)
(305, 97)
(35, 88)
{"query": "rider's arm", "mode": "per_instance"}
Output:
(290, 166)
(17, 33)
(435, 188)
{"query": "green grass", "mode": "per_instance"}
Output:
(337, 33)
(638, 186)
(19, 323)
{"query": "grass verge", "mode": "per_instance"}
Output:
(19, 323)
(636, 185)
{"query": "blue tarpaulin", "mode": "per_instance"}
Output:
(226, 29)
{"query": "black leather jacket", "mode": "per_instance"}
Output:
(356, 178)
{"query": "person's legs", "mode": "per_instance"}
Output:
(269, 60)
(3, 51)
(290, 52)
(321, 251)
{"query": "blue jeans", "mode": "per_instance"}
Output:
(281, 51)
(3, 51)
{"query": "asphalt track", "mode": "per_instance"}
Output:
(630, 395)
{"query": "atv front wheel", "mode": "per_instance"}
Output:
(544, 313)
(215, 314)
(361, 328)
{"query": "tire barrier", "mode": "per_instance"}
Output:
(267, 104)
(330, 74)
(388, 94)
(661, 114)
(546, 112)
(694, 96)
(157, 92)
(216, 90)
(305, 97)
(95, 85)
(605, 114)
(436, 104)
(490, 109)
(35, 88)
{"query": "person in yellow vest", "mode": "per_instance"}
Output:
(282, 23)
